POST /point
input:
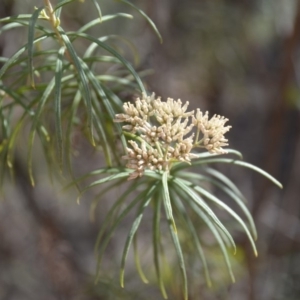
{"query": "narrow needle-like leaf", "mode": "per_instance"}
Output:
(137, 260)
(167, 200)
(31, 28)
(57, 101)
(156, 244)
(234, 162)
(176, 242)
(83, 81)
(98, 9)
(217, 236)
(117, 55)
(134, 229)
(199, 201)
(182, 212)
(113, 227)
(146, 17)
(229, 210)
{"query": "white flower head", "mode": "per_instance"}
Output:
(164, 133)
(213, 131)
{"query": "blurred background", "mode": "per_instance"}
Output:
(237, 58)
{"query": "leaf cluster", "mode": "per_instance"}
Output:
(175, 197)
(59, 92)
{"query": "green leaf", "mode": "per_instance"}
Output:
(115, 100)
(234, 162)
(4, 123)
(156, 244)
(17, 98)
(116, 54)
(83, 81)
(62, 3)
(9, 27)
(232, 193)
(98, 9)
(115, 79)
(116, 222)
(100, 195)
(102, 130)
(137, 260)
(31, 28)
(134, 228)
(181, 261)
(199, 201)
(195, 238)
(57, 104)
(167, 200)
(35, 122)
(101, 117)
(211, 197)
(169, 214)
(217, 236)
(97, 172)
(16, 18)
(12, 139)
(68, 140)
(240, 203)
(113, 209)
(48, 152)
(103, 180)
(15, 57)
(146, 17)
(226, 181)
(126, 41)
(103, 19)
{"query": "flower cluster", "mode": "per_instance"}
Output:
(213, 131)
(164, 132)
